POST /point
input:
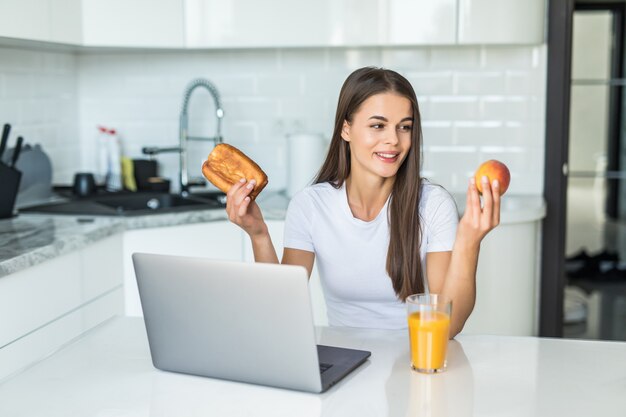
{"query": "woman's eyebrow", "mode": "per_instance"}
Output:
(384, 119)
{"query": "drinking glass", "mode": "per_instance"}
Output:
(429, 331)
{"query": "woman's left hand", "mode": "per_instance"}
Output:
(477, 221)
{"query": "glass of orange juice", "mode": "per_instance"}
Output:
(429, 331)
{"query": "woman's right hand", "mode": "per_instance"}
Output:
(242, 210)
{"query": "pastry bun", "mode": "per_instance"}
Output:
(226, 165)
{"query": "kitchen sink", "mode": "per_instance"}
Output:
(131, 204)
(147, 202)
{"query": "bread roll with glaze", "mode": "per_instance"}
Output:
(226, 165)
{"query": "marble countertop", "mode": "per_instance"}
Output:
(30, 239)
(108, 372)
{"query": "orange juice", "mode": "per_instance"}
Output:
(429, 332)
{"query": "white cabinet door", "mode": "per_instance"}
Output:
(425, 22)
(25, 19)
(277, 229)
(45, 306)
(285, 23)
(507, 282)
(282, 23)
(136, 23)
(41, 20)
(215, 240)
(65, 21)
(501, 21)
(101, 267)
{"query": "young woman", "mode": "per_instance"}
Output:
(379, 231)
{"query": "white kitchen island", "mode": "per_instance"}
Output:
(107, 372)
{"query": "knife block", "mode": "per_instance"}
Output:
(9, 184)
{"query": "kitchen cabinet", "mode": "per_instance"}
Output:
(137, 23)
(236, 23)
(501, 21)
(284, 23)
(214, 240)
(420, 22)
(507, 281)
(41, 20)
(25, 19)
(66, 21)
(47, 305)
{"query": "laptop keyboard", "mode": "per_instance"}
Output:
(324, 367)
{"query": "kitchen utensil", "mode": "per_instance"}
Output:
(144, 169)
(305, 154)
(16, 151)
(158, 184)
(84, 184)
(5, 138)
(9, 183)
(36, 168)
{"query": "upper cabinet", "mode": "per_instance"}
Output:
(284, 23)
(502, 21)
(425, 22)
(41, 20)
(136, 23)
(273, 23)
(281, 23)
(65, 21)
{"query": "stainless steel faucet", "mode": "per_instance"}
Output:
(183, 134)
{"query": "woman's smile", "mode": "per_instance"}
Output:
(387, 157)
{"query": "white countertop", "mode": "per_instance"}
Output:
(108, 372)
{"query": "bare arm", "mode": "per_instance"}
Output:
(453, 274)
(299, 257)
(246, 214)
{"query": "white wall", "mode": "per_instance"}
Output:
(38, 97)
(477, 103)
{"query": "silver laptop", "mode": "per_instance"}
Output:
(248, 322)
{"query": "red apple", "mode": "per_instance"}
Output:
(494, 170)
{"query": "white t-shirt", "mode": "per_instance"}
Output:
(351, 254)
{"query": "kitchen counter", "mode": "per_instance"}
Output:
(30, 239)
(108, 372)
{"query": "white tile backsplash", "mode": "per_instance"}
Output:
(431, 83)
(455, 58)
(477, 102)
(508, 58)
(38, 97)
(479, 83)
(512, 108)
(453, 108)
(406, 59)
(437, 133)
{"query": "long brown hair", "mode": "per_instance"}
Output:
(403, 257)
